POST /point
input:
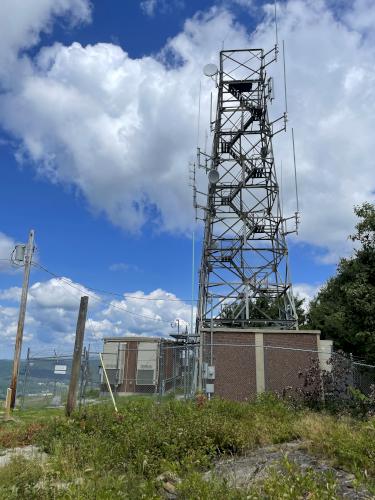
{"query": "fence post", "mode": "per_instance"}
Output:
(174, 374)
(161, 370)
(76, 365)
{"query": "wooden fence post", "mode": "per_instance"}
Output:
(76, 365)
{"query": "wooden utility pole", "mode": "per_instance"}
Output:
(21, 318)
(76, 365)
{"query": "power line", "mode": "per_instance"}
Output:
(115, 294)
(99, 299)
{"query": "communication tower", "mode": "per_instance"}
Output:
(244, 279)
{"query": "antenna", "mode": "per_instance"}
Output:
(285, 95)
(211, 125)
(210, 70)
(276, 33)
(295, 171)
(281, 187)
(199, 112)
(193, 185)
(213, 176)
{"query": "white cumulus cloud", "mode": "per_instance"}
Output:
(306, 291)
(6, 248)
(52, 311)
(123, 129)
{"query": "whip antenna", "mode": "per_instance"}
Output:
(285, 95)
(295, 171)
(276, 32)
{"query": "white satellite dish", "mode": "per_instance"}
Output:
(210, 70)
(213, 176)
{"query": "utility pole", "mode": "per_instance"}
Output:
(76, 365)
(29, 250)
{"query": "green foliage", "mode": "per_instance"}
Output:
(29, 480)
(148, 438)
(19, 479)
(100, 454)
(347, 442)
(287, 481)
(13, 434)
(291, 482)
(264, 307)
(344, 309)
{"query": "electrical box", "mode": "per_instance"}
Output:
(114, 361)
(147, 360)
(209, 388)
(210, 372)
(19, 254)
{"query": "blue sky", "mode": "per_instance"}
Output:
(95, 146)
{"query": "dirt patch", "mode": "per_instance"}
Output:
(256, 466)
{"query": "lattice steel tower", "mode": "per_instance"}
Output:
(244, 279)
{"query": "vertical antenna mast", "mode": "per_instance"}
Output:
(285, 94)
(295, 179)
(276, 31)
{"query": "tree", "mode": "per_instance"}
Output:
(265, 304)
(344, 309)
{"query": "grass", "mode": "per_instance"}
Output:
(102, 455)
(346, 442)
(286, 482)
(24, 426)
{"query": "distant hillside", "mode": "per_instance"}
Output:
(41, 374)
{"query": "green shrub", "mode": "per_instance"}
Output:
(291, 482)
(98, 451)
(347, 442)
(19, 478)
(288, 482)
(148, 438)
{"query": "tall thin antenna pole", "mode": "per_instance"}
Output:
(285, 95)
(295, 171)
(192, 281)
(281, 188)
(276, 33)
(210, 113)
(199, 112)
(193, 234)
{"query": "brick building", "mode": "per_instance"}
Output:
(246, 362)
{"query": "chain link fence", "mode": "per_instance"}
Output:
(151, 369)
(161, 369)
(148, 368)
(44, 380)
(364, 377)
(240, 370)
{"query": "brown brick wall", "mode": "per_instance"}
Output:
(281, 366)
(234, 365)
